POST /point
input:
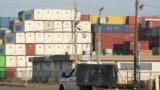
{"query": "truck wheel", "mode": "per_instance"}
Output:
(61, 88)
(85, 88)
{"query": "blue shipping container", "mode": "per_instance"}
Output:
(114, 28)
(4, 21)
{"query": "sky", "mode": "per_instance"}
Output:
(10, 8)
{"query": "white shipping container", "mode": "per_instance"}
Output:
(86, 37)
(19, 37)
(11, 61)
(30, 37)
(39, 25)
(10, 49)
(49, 38)
(68, 38)
(48, 26)
(79, 48)
(67, 26)
(2, 49)
(84, 26)
(39, 49)
(86, 47)
(9, 38)
(48, 14)
(39, 37)
(21, 61)
(78, 15)
(78, 36)
(107, 51)
(58, 49)
(24, 26)
(34, 14)
(57, 14)
(68, 48)
(20, 49)
(57, 26)
(24, 73)
(67, 14)
(29, 64)
(58, 38)
(48, 49)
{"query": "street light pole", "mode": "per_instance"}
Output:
(99, 29)
(136, 51)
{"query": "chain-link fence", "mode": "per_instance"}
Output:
(27, 74)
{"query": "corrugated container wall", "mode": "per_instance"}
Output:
(4, 21)
(93, 19)
(10, 72)
(24, 26)
(85, 17)
(2, 72)
(156, 50)
(21, 61)
(114, 28)
(20, 49)
(115, 19)
(30, 49)
(11, 61)
(34, 14)
(2, 61)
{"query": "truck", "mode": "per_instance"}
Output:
(92, 76)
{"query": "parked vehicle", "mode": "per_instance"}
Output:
(89, 76)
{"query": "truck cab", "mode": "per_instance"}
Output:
(89, 76)
(68, 82)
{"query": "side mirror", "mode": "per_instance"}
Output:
(63, 74)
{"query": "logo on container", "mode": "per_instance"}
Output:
(27, 16)
(18, 28)
(9, 39)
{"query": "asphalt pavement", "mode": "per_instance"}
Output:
(54, 87)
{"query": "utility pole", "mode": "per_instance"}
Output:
(136, 49)
(99, 31)
(75, 30)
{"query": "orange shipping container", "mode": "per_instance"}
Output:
(145, 52)
(30, 49)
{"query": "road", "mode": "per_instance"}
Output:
(55, 87)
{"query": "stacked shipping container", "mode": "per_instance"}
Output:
(113, 33)
(43, 32)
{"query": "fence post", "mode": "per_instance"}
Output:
(156, 82)
(150, 86)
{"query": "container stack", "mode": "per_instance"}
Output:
(113, 33)
(4, 22)
(43, 32)
(151, 28)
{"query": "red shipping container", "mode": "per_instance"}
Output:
(144, 45)
(114, 37)
(131, 28)
(106, 45)
(30, 49)
(10, 72)
(85, 17)
(130, 20)
(152, 23)
(145, 52)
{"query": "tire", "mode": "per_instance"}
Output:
(61, 88)
(85, 88)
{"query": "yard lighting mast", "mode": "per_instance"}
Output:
(99, 29)
(136, 45)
